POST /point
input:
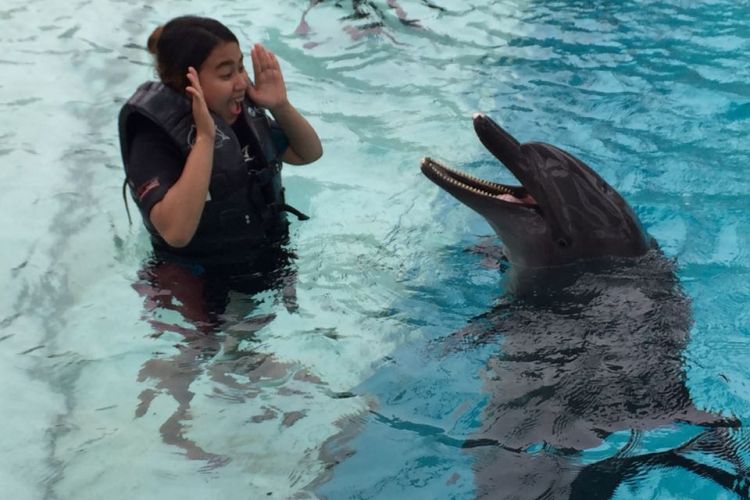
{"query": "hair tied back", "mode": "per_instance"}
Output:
(153, 39)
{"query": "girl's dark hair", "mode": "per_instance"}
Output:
(183, 42)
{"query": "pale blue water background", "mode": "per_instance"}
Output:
(655, 95)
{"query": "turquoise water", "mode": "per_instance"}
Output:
(351, 395)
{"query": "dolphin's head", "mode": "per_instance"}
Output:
(562, 211)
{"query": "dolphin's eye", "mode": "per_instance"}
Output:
(603, 186)
(562, 242)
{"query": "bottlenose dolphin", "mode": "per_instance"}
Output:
(562, 212)
(591, 334)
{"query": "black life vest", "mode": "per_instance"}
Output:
(246, 206)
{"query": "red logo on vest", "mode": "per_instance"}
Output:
(147, 187)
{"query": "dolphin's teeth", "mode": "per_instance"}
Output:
(481, 187)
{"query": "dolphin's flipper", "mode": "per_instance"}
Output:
(601, 480)
(692, 415)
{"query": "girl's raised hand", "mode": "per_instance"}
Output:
(268, 89)
(204, 123)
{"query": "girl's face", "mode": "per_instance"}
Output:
(224, 81)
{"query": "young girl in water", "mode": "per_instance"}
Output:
(201, 157)
(203, 162)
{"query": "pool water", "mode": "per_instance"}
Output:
(110, 392)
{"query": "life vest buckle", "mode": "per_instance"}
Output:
(261, 177)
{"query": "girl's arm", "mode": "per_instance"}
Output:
(177, 215)
(269, 91)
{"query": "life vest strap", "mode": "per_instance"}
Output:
(263, 176)
(125, 199)
(283, 207)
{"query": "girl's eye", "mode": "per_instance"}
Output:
(226, 76)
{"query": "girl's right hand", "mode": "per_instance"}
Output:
(204, 123)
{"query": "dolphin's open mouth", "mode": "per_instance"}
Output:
(445, 177)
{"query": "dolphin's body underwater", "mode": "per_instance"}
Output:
(592, 334)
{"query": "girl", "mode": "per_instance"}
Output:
(203, 163)
(201, 157)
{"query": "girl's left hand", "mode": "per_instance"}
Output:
(268, 89)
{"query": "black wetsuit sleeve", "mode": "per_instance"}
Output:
(154, 166)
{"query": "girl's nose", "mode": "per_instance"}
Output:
(240, 81)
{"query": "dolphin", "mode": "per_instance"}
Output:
(562, 212)
(591, 335)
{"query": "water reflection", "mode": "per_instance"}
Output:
(211, 307)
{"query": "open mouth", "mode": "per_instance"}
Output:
(235, 106)
(445, 176)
